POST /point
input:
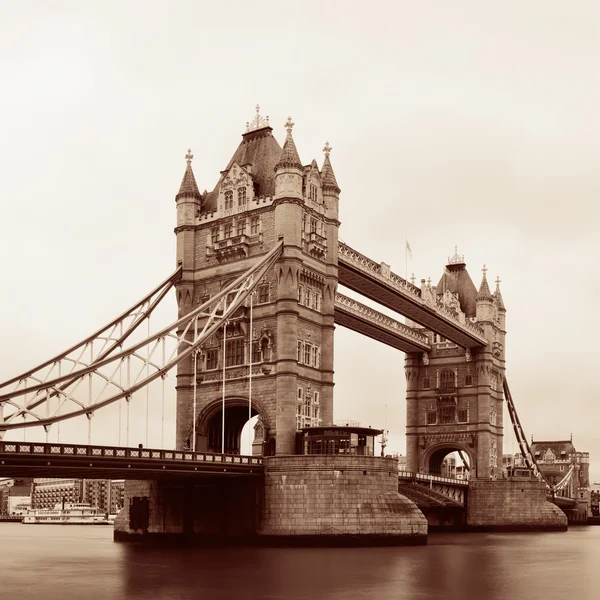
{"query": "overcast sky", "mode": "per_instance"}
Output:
(450, 122)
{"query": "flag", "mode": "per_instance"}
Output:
(408, 249)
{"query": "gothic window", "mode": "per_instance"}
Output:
(469, 379)
(446, 410)
(426, 382)
(241, 227)
(312, 190)
(307, 349)
(303, 222)
(256, 353)
(234, 352)
(228, 200)
(263, 293)
(212, 359)
(214, 232)
(447, 379)
(313, 225)
(492, 416)
(431, 417)
(242, 196)
(308, 412)
(494, 382)
(463, 415)
(300, 293)
(227, 231)
(300, 351)
(254, 226)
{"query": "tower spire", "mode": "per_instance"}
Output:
(289, 154)
(484, 289)
(188, 186)
(327, 174)
(498, 295)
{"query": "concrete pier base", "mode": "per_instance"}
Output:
(303, 500)
(337, 500)
(512, 505)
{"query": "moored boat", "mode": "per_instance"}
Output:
(66, 514)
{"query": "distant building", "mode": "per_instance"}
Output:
(401, 462)
(47, 493)
(5, 486)
(555, 459)
(19, 496)
(449, 466)
(104, 494)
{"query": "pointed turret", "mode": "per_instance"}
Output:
(327, 174)
(484, 292)
(331, 190)
(288, 169)
(485, 300)
(188, 187)
(289, 154)
(498, 296)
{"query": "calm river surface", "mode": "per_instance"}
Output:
(78, 562)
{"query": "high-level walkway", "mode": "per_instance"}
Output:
(375, 281)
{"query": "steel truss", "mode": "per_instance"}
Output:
(98, 372)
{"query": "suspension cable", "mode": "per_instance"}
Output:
(251, 336)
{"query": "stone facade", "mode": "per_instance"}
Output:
(455, 396)
(263, 197)
(511, 504)
(323, 498)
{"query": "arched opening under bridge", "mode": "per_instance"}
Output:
(238, 420)
(449, 461)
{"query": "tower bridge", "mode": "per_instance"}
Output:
(258, 263)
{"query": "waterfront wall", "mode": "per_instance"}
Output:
(511, 504)
(329, 499)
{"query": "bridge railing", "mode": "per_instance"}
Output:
(116, 452)
(410, 476)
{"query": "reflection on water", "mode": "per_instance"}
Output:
(77, 562)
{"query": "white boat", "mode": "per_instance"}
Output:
(66, 514)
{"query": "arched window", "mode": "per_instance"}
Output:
(228, 200)
(446, 410)
(447, 379)
(242, 196)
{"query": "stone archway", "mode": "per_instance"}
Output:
(209, 427)
(434, 457)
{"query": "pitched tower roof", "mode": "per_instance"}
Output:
(327, 174)
(457, 279)
(261, 151)
(188, 185)
(498, 295)
(289, 155)
(484, 289)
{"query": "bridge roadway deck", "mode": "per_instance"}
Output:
(33, 459)
(373, 280)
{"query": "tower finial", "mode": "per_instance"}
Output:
(498, 282)
(189, 156)
(484, 270)
(327, 150)
(457, 259)
(289, 124)
(412, 279)
(258, 122)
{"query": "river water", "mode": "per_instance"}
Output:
(83, 563)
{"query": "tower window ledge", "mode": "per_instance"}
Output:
(231, 248)
(316, 244)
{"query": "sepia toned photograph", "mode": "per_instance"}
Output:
(298, 300)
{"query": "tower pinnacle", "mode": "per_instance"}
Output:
(289, 155)
(188, 186)
(484, 289)
(327, 174)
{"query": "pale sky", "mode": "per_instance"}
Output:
(451, 123)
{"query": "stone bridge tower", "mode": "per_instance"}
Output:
(454, 396)
(264, 194)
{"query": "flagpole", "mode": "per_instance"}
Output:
(406, 259)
